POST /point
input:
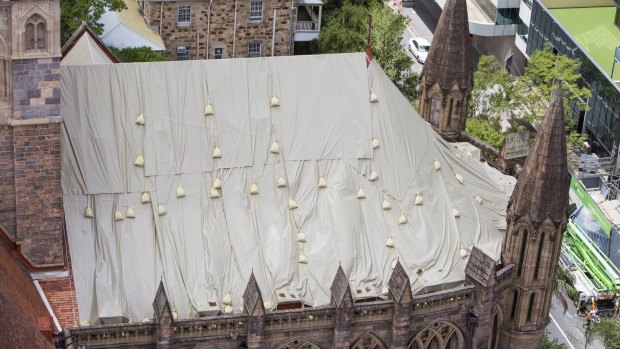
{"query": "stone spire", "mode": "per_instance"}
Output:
(536, 219)
(542, 188)
(449, 58)
(447, 77)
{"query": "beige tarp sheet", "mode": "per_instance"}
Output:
(204, 249)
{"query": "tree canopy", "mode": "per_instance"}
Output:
(346, 30)
(75, 12)
(137, 54)
(497, 93)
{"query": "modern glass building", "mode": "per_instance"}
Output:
(588, 30)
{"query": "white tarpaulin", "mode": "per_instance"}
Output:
(320, 145)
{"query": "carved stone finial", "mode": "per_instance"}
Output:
(341, 291)
(400, 287)
(252, 298)
(161, 306)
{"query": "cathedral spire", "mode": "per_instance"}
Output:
(447, 77)
(449, 60)
(542, 188)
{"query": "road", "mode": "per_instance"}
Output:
(568, 327)
(422, 23)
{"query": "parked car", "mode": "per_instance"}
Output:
(419, 47)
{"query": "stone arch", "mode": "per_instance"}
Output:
(35, 33)
(296, 343)
(439, 335)
(497, 320)
(368, 341)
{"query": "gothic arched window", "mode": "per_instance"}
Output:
(522, 253)
(35, 33)
(439, 335)
(368, 341)
(530, 307)
(297, 343)
(541, 245)
(515, 298)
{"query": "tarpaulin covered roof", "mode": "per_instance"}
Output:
(200, 172)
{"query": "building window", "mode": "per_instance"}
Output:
(530, 307)
(449, 124)
(184, 15)
(256, 11)
(218, 53)
(522, 253)
(541, 245)
(182, 53)
(5, 79)
(35, 33)
(254, 49)
(515, 298)
(435, 111)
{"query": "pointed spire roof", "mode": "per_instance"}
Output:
(542, 187)
(449, 59)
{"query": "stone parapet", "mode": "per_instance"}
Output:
(370, 321)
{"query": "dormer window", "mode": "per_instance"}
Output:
(35, 33)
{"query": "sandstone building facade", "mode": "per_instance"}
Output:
(232, 29)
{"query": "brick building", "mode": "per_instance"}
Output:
(232, 29)
(481, 302)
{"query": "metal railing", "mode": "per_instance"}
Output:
(307, 26)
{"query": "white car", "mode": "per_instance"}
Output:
(419, 47)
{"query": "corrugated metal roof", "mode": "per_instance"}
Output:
(310, 2)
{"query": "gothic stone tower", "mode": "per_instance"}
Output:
(30, 193)
(447, 77)
(536, 217)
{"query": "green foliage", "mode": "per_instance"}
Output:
(346, 30)
(137, 54)
(485, 129)
(75, 12)
(542, 75)
(566, 279)
(607, 331)
(551, 344)
(495, 92)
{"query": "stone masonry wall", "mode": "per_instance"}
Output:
(38, 193)
(36, 88)
(194, 36)
(7, 181)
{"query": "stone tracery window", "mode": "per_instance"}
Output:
(439, 335)
(35, 33)
(368, 341)
(298, 344)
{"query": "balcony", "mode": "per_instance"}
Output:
(308, 20)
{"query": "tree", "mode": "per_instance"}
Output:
(607, 331)
(346, 30)
(137, 54)
(495, 92)
(486, 129)
(542, 74)
(75, 12)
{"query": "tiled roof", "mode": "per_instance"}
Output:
(23, 311)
